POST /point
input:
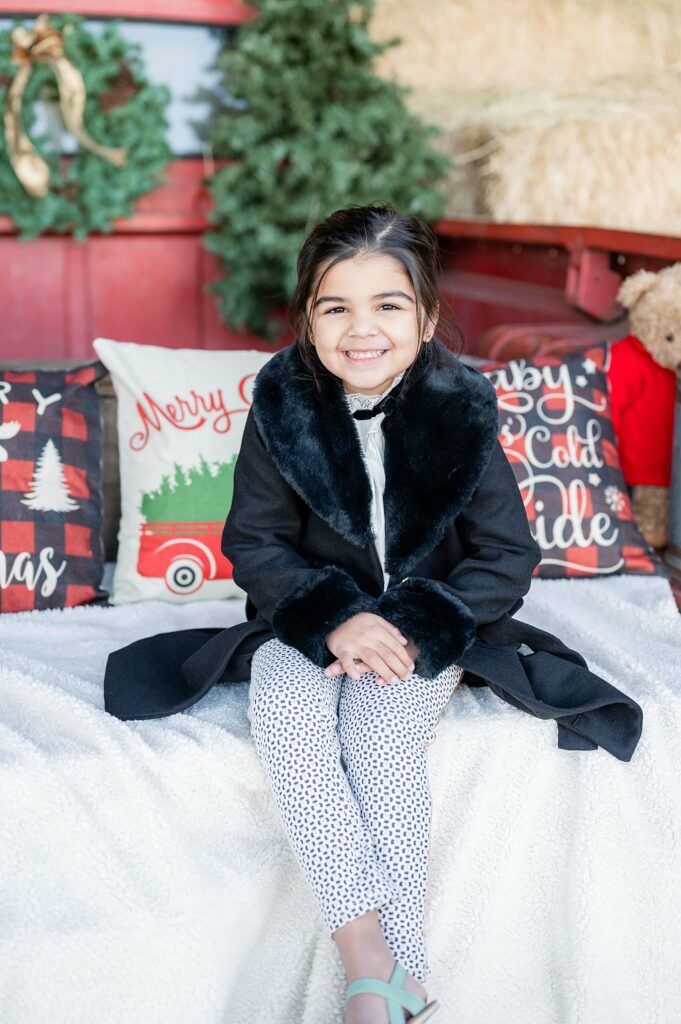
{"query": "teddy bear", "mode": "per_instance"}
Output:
(643, 378)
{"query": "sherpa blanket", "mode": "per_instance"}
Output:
(145, 877)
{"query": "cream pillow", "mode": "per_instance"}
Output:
(180, 420)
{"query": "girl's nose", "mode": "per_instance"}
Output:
(362, 331)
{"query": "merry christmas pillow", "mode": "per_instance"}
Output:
(51, 553)
(555, 425)
(180, 419)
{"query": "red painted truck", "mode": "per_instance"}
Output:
(185, 555)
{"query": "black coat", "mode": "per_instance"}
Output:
(459, 552)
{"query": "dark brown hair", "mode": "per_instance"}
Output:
(363, 230)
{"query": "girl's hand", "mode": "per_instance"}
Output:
(369, 643)
(335, 668)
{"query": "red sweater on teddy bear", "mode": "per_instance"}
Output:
(642, 400)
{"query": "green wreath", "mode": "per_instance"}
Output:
(122, 110)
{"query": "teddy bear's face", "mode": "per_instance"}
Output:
(655, 318)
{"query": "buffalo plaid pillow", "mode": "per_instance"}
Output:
(555, 425)
(51, 553)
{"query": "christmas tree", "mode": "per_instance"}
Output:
(49, 487)
(311, 128)
(195, 494)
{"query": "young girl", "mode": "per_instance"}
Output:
(345, 745)
(381, 539)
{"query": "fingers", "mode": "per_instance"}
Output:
(384, 670)
(393, 630)
(388, 660)
(359, 627)
(334, 669)
(398, 651)
(346, 663)
(396, 657)
(380, 647)
(358, 667)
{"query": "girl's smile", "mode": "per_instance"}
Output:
(364, 356)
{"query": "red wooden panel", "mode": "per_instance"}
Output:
(75, 299)
(664, 247)
(143, 289)
(213, 327)
(32, 322)
(215, 334)
(480, 302)
(181, 203)
(527, 273)
(540, 301)
(514, 261)
(530, 341)
(216, 12)
(144, 282)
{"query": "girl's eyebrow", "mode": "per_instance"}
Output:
(381, 295)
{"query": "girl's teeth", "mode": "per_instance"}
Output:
(366, 355)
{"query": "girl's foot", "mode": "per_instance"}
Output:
(367, 1008)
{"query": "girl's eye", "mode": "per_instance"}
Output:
(392, 306)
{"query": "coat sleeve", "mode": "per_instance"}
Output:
(443, 617)
(261, 539)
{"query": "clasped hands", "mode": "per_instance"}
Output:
(369, 643)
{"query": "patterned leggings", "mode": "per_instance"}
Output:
(347, 762)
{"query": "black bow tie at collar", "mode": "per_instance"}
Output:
(385, 405)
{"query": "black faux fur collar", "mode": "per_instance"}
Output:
(438, 441)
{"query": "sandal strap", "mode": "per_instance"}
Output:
(395, 995)
(398, 975)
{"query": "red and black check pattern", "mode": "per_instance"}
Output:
(569, 472)
(51, 553)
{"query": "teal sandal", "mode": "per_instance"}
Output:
(396, 997)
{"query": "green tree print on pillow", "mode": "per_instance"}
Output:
(198, 494)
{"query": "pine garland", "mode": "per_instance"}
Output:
(122, 109)
(311, 129)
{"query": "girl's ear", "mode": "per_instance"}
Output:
(431, 324)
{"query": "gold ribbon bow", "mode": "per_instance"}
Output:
(44, 44)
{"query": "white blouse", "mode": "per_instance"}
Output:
(373, 446)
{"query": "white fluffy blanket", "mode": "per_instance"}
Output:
(145, 877)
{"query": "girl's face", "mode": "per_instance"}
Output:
(366, 306)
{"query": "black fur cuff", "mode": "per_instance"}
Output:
(440, 624)
(305, 617)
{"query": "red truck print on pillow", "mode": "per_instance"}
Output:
(179, 540)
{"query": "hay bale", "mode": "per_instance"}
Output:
(606, 155)
(468, 45)
(559, 112)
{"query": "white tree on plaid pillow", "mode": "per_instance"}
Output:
(50, 489)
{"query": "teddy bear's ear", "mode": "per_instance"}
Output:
(634, 286)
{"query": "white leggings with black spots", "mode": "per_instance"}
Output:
(347, 762)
